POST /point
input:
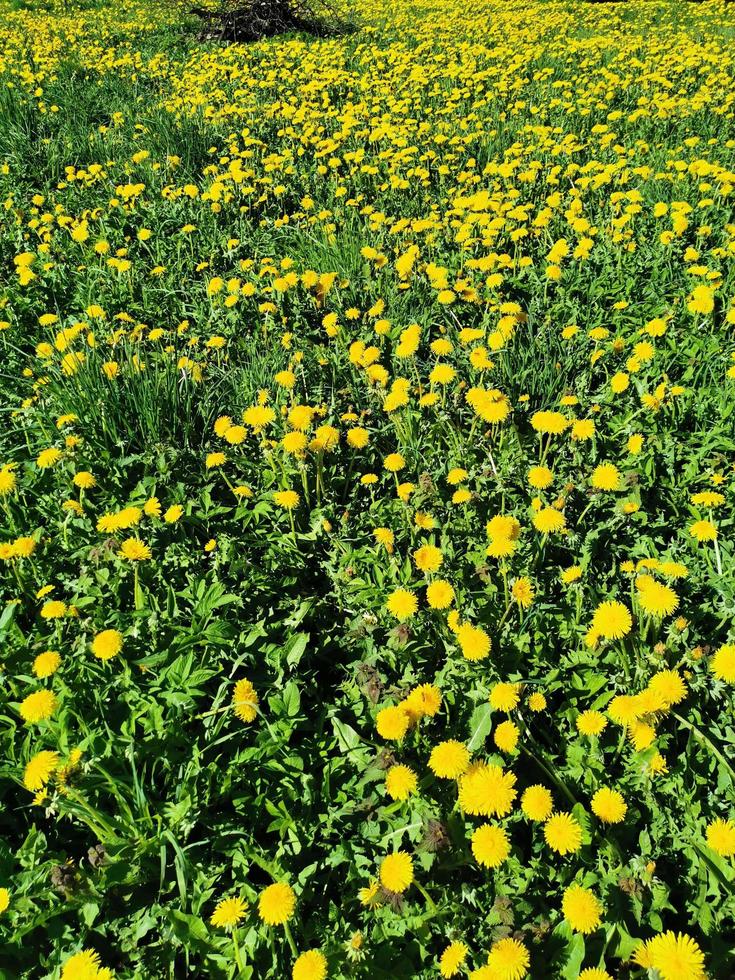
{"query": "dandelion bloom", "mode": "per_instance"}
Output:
(703, 531)
(624, 709)
(721, 837)
(537, 701)
(594, 973)
(452, 959)
(385, 537)
(369, 894)
(295, 443)
(396, 872)
(655, 598)
(85, 966)
(553, 423)
(392, 722)
(673, 569)
(107, 644)
(439, 594)
(722, 664)
(591, 723)
(456, 475)
(134, 550)
(46, 664)
(427, 558)
(492, 406)
(325, 439)
(508, 960)
(7, 480)
(53, 609)
(549, 521)
(358, 437)
(540, 477)
(4, 900)
(523, 592)
(245, 701)
(221, 425)
(505, 736)
(258, 417)
(707, 498)
(612, 620)
(449, 760)
(38, 706)
(668, 687)
(608, 805)
(473, 641)
(400, 782)
(582, 430)
(424, 700)
(537, 803)
(276, 904)
(235, 434)
(487, 791)
(402, 604)
(701, 300)
(503, 526)
(581, 909)
(501, 547)
(39, 770)
(288, 499)
(505, 697)
(84, 480)
(490, 845)
(606, 477)
(674, 957)
(394, 462)
(47, 458)
(311, 965)
(563, 834)
(228, 912)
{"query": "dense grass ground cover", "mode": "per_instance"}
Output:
(367, 488)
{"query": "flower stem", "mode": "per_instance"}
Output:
(703, 740)
(289, 937)
(429, 900)
(236, 946)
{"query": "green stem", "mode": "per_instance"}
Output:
(137, 591)
(289, 937)
(504, 617)
(555, 779)
(703, 740)
(236, 946)
(717, 558)
(429, 900)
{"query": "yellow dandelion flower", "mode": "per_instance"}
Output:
(396, 872)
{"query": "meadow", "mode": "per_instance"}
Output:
(367, 494)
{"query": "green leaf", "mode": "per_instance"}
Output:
(294, 648)
(347, 738)
(291, 699)
(188, 928)
(90, 910)
(575, 957)
(480, 724)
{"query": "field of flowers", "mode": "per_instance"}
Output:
(367, 486)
